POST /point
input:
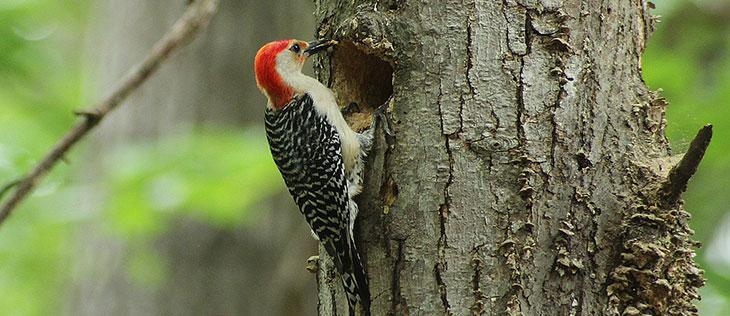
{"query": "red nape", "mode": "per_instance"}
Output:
(267, 76)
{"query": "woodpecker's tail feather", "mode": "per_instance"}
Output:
(355, 282)
(354, 279)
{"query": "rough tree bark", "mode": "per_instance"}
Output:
(526, 170)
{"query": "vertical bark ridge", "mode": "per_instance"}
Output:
(441, 263)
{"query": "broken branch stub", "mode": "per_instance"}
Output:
(676, 182)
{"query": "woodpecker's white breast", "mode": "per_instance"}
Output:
(325, 103)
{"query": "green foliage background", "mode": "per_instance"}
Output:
(41, 82)
(40, 75)
(689, 58)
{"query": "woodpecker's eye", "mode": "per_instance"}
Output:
(295, 48)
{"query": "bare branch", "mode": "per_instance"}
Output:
(676, 182)
(193, 20)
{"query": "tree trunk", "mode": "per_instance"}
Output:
(525, 171)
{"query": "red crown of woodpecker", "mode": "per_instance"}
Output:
(267, 78)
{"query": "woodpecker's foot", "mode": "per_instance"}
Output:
(312, 264)
(381, 113)
(353, 107)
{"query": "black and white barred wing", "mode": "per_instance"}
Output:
(306, 149)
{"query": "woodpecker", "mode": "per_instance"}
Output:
(319, 156)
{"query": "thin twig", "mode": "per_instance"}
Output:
(676, 182)
(193, 20)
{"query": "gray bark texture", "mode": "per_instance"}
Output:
(524, 169)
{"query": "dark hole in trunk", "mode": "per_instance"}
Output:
(360, 78)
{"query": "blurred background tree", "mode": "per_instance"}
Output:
(174, 205)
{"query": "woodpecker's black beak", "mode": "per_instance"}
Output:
(318, 46)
